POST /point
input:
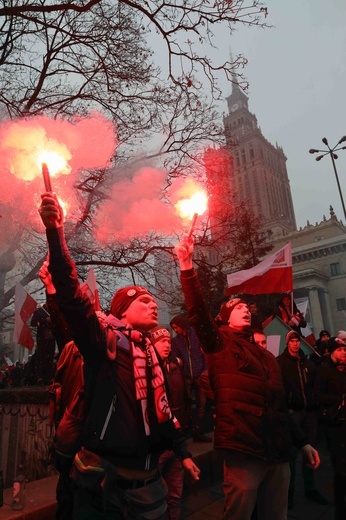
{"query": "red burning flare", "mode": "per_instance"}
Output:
(54, 163)
(67, 147)
(191, 207)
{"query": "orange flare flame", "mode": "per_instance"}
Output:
(55, 162)
(197, 203)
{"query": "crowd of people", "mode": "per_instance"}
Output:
(23, 373)
(267, 408)
(139, 379)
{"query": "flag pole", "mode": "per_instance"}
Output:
(291, 303)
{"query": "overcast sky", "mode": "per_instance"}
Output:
(297, 77)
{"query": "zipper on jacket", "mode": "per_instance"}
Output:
(147, 461)
(110, 411)
(189, 353)
(302, 376)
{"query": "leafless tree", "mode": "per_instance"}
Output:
(63, 59)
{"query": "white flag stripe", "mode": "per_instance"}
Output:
(282, 258)
(24, 306)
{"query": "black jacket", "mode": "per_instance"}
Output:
(114, 427)
(178, 392)
(298, 375)
(286, 316)
(330, 387)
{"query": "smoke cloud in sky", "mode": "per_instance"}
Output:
(87, 142)
(138, 206)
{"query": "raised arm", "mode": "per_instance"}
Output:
(184, 251)
(75, 306)
(59, 325)
(198, 312)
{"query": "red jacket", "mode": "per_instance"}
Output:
(249, 395)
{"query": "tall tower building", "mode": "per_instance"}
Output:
(259, 173)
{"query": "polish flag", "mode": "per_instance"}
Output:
(272, 275)
(90, 286)
(24, 306)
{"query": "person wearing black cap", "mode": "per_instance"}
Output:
(253, 428)
(322, 352)
(330, 389)
(170, 466)
(187, 347)
(324, 336)
(129, 422)
(298, 374)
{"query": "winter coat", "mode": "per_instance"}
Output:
(286, 316)
(188, 349)
(298, 375)
(114, 427)
(330, 390)
(178, 392)
(41, 320)
(249, 395)
(330, 386)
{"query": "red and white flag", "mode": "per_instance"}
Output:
(306, 331)
(90, 286)
(272, 275)
(24, 306)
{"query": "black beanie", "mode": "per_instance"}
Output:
(324, 333)
(227, 308)
(334, 343)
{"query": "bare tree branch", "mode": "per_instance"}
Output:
(15, 10)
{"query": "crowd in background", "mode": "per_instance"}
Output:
(322, 376)
(21, 374)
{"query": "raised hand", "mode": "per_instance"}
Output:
(50, 211)
(184, 250)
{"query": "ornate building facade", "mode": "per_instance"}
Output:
(319, 271)
(260, 174)
(254, 171)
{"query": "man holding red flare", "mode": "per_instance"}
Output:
(128, 422)
(253, 426)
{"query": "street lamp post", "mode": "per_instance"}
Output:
(333, 156)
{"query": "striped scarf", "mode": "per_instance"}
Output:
(147, 372)
(148, 376)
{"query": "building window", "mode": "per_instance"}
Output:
(335, 269)
(341, 304)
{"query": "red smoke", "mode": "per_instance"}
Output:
(87, 142)
(137, 206)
